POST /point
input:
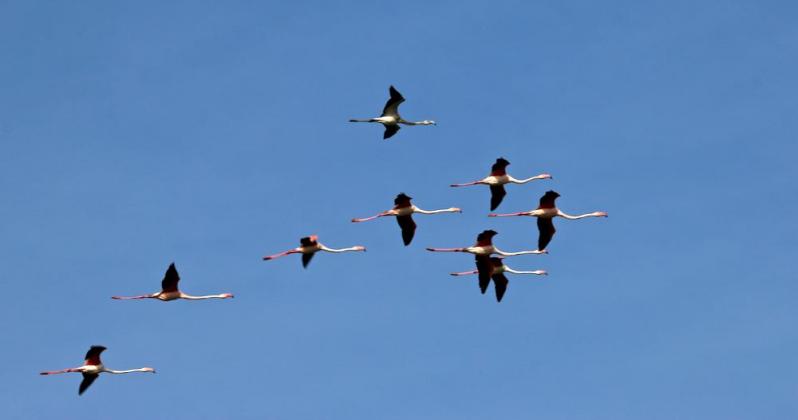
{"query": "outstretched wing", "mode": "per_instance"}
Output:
(392, 106)
(497, 194)
(390, 130)
(170, 279)
(484, 269)
(93, 355)
(500, 283)
(546, 229)
(88, 379)
(306, 259)
(408, 228)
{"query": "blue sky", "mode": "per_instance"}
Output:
(133, 135)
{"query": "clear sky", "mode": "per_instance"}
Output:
(134, 134)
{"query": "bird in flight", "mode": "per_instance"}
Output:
(390, 117)
(92, 368)
(169, 290)
(495, 270)
(309, 246)
(546, 212)
(403, 210)
(484, 247)
(497, 179)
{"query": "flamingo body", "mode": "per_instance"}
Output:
(92, 368)
(493, 269)
(170, 291)
(546, 212)
(390, 117)
(497, 179)
(309, 246)
(403, 210)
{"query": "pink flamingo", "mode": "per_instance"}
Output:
(93, 367)
(310, 245)
(403, 210)
(484, 247)
(169, 290)
(497, 179)
(494, 269)
(546, 212)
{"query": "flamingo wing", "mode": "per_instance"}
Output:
(408, 228)
(392, 106)
(484, 269)
(306, 259)
(170, 279)
(390, 130)
(497, 194)
(547, 230)
(93, 355)
(308, 241)
(500, 283)
(88, 379)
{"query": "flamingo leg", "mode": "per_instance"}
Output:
(445, 249)
(467, 184)
(282, 254)
(131, 297)
(464, 273)
(56, 372)
(520, 213)
(366, 219)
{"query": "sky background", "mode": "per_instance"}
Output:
(135, 134)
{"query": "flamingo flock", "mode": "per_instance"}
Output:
(489, 259)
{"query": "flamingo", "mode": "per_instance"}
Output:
(169, 290)
(310, 245)
(495, 270)
(546, 212)
(484, 247)
(390, 117)
(403, 209)
(497, 179)
(93, 367)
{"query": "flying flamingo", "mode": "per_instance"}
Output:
(546, 212)
(169, 290)
(310, 245)
(497, 179)
(484, 247)
(403, 210)
(390, 117)
(495, 270)
(93, 367)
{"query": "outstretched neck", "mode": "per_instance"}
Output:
(219, 296)
(449, 210)
(425, 122)
(534, 178)
(535, 272)
(581, 216)
(119, 372)
(350, 249)
(513, 254)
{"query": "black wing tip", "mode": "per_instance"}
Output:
(390, 131)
